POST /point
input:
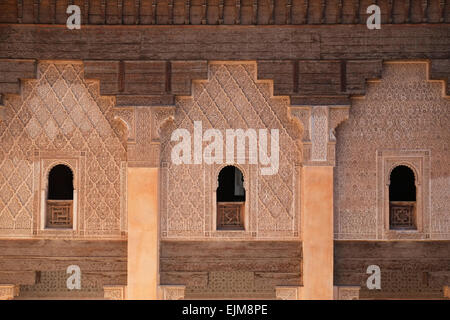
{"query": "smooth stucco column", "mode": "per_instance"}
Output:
(317, 232)
(143, 258)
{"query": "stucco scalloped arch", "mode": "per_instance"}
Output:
(61, 162)
(406, 164)
(222, 166)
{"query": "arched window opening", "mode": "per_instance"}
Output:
(230, 199)
(402, 199)
(60, 197)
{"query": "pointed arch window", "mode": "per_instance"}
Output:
(230, 199)
(60, 196)
(402, 199)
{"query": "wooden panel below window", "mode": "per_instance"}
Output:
(59, 213)
(230, 215)
(402, 215)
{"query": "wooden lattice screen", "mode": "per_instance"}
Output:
(402, 215)
(230, 215)
(59, 213)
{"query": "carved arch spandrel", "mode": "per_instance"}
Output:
(161, 116)
(319, 125)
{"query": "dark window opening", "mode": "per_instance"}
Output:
(60, 197)
(402, 199)
(60, 183)
(402, 186)
(231, 185)
(230, 199)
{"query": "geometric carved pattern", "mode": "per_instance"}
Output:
(401, 215)
(59, 213)
(172, 292)
(319, 133)
(319, 126)
(232, 97)
(409, 269)
(230, 284)
(346, 292)
(8, 291)
(53, 284)
(61, 113)
(114, 292)
(144, 149)
(402, 119)
(287, 293)
(230, 215)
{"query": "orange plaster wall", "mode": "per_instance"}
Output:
(317, 232)
(142, 233)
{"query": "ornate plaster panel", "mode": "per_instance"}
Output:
(232, 97)
(62, 117)
(404, 111)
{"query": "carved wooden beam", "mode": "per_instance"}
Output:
(52, 10)
(237, 20)
(343, 76)
(137, 11)
(255, 12)
(221, 11)
(187, 11)
(442, 8)
(204, 12)
(424, 10)
(295, 66)
(306, 7)
(323, 6)
(36, 11)
(168, 86)
(86, 11)
(19, 11)
(121, 81)
(120, 10)
(154, 21)
(272, 12)
(390, 10)
(103, 6)
(288, 11)
(408, 11)
(357, 11)
(170, 5)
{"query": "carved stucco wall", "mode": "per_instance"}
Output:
(61, 117)
(402, 111)
(232, 97)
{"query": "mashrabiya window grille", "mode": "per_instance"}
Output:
(402, 199)
(230, 199)
(60, 197)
